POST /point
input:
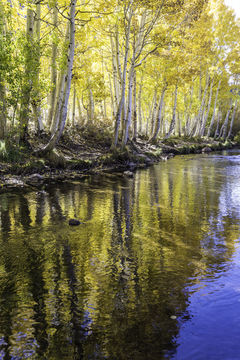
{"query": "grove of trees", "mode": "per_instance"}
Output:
(144, 68)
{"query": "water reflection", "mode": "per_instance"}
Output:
(120, 286)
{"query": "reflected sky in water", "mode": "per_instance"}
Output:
(151, 273)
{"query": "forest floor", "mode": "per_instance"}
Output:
(88, 152)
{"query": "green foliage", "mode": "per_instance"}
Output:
(237, 138)
(11, 153)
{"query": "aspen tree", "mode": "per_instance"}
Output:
(64, 84)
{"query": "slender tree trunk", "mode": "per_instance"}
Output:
(173, 122)
(115, 73)
(214, 110)
(67, 81)
(187, 124)
(216, 134)
(198, 121)
(36, 99)
(208, 109)
(129, 109)
(232, 120)
(159, 113)
(223, 130)
(134, 106)
(80, 112)
(139, 112)
(74, 106)
(29, 74)
(90, 107)
(122, 98)
(154, 113)
(53, 71)
(3, 114)
(3, 118)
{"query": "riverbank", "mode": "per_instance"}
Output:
(78, 156)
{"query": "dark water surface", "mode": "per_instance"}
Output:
(152, 273)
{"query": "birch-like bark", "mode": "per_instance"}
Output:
(139, 112)
(3, 118)
(27, 88)
(159, 113)
(232, 120)
(3, 114)
(67, 81)
(53, 72)
(36, 100)
(115, 72)
(173, 122)
(214, 110)
(154, 113)
(208, 109)
(179, 125)
(80, 112)
(223, 130)
(91, 107)
(198, 121)
(122, 98)
(130, 102)
(134, 106)
(216, 134)
(74, 106)
(187, 124)
(113, 105)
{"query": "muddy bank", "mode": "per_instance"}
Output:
(76, 158)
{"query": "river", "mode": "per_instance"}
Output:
(151, 273)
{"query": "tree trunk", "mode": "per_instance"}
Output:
(134, 106)
(139, 112)
(223, 130)
(129, 109)
(198, 121)
(74, 106)
(154, 113)
(208, 109)
(3, 114)
(173, 122)
(67, 78)
(90, 107)
(159, 113)
(232, 120)
(53, 72)
(216, 134)
(29, 74)
(36, 99)
(122, 98)
(214, 110)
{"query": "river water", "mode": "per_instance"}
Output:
(153, 272)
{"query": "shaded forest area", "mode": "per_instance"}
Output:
(89, 83)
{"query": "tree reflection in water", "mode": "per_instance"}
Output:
(117, 287)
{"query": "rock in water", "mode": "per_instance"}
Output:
(74, 222)
(206, 150)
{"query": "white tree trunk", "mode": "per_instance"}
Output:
(53, 73)
(232, 120)
(122, 98)
(223, 130)
(67, 78)
(159, 113)
(214, 110)
(208, 109)
(173, 122)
